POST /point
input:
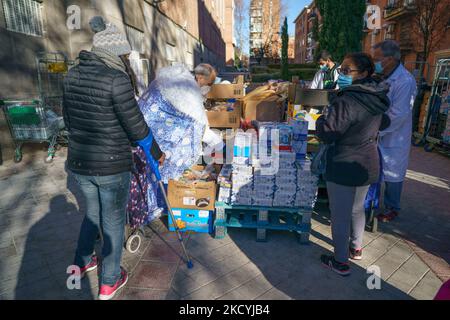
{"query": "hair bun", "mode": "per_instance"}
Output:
(97, 24)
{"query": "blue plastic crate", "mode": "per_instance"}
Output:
(200, 221)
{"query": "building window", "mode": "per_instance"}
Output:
(390, 32)
(141, 68)
(171, 53)
(190, 61)
(136, 39)
(24, 16)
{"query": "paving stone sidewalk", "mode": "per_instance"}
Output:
(41, 213)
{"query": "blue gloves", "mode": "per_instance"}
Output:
(146, 145)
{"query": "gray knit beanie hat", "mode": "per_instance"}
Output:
(108, 37)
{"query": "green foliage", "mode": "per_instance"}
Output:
(237, 60)
(307, 75)
(261, 69)
(294, 66)
(304, 74)
(342, 29)
(264, 77)
(303, 70)
(284, 51)
(315, 29)
(291, 70)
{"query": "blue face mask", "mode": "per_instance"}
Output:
(344, 81)
(379, 68)
(324, 67)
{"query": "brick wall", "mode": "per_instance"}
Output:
(186, 31)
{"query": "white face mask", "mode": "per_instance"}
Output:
(205, 90)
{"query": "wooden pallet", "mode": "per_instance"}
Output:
(296, 220)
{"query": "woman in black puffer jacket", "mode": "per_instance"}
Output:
(355, 117)
(103, 120)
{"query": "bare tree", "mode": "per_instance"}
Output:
(240, 18)
(271, 22)
(430, 23)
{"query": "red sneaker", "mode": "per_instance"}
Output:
(91, 266)
(355, 254)
(388, 216)
(108, 292)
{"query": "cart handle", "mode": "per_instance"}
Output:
(146, 145)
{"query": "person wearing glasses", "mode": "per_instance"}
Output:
(395, 143)
(350, 128)
(326, 77)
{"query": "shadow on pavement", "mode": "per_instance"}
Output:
(295, 270)
(424, 221)
(48, 252)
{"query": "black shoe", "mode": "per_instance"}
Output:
(355, 254)
(340, 268)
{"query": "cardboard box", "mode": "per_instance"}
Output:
(200, 221)
(309, 97)
(291, 92)
(270, 110)
(227, 91)
(196, 195)
(225, 119)
(240, 79)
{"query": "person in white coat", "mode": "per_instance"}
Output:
(395, 142)
(327, 76)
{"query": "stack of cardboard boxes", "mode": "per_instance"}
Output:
(193, 204)
(226, 104)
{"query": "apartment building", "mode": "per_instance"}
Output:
(291, 49)
(160, 33)
(265, 28)
(305, 44)
(397, 19)
(301, 36)
(397, 23)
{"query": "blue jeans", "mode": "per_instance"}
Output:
(392, 195)
(106, 199)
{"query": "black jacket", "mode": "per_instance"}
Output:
(102, 117)
(356, 115)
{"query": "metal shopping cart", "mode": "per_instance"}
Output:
(437, 124)
(30, 121)
(51, 70)
(52, 67)
(41, 120)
